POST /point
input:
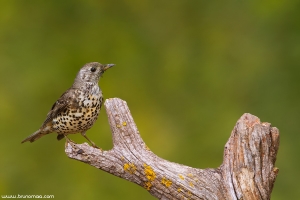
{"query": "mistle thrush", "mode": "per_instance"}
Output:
(77, 109)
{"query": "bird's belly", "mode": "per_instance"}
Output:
(76, 120)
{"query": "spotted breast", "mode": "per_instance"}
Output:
(82, 115)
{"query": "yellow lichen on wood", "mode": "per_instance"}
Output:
(129, 167)
(118, 125)
(166, 182)
(147, 148)
(179, 190)
(150, 174)
(126, 166)
(190, 175)
(181, 176)
(191, 184)
(148, 185)
(124, 123)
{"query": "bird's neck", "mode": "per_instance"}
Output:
(79, 84)
(92, 88)
(87, 87)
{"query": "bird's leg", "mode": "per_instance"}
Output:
(69, 140)
(92, 143)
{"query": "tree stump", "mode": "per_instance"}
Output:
(247, 171)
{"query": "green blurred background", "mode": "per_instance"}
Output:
(187, 69)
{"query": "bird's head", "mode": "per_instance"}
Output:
(91, 72)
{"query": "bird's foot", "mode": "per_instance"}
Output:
(92, 143)
(69, 140)
(95, 146)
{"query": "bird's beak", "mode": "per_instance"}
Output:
(107, 66)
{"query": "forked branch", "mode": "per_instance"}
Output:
(247, 172)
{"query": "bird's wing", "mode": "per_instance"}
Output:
(66, 100)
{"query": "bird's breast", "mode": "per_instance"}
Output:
(81, 117)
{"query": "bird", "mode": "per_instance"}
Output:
(78, 108)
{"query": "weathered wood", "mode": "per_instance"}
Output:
(247, 171)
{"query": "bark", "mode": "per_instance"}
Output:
(247, 171)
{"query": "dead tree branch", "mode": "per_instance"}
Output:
(247, 172)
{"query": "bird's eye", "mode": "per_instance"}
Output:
(93, 69)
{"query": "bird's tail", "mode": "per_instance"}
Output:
(36, 135)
